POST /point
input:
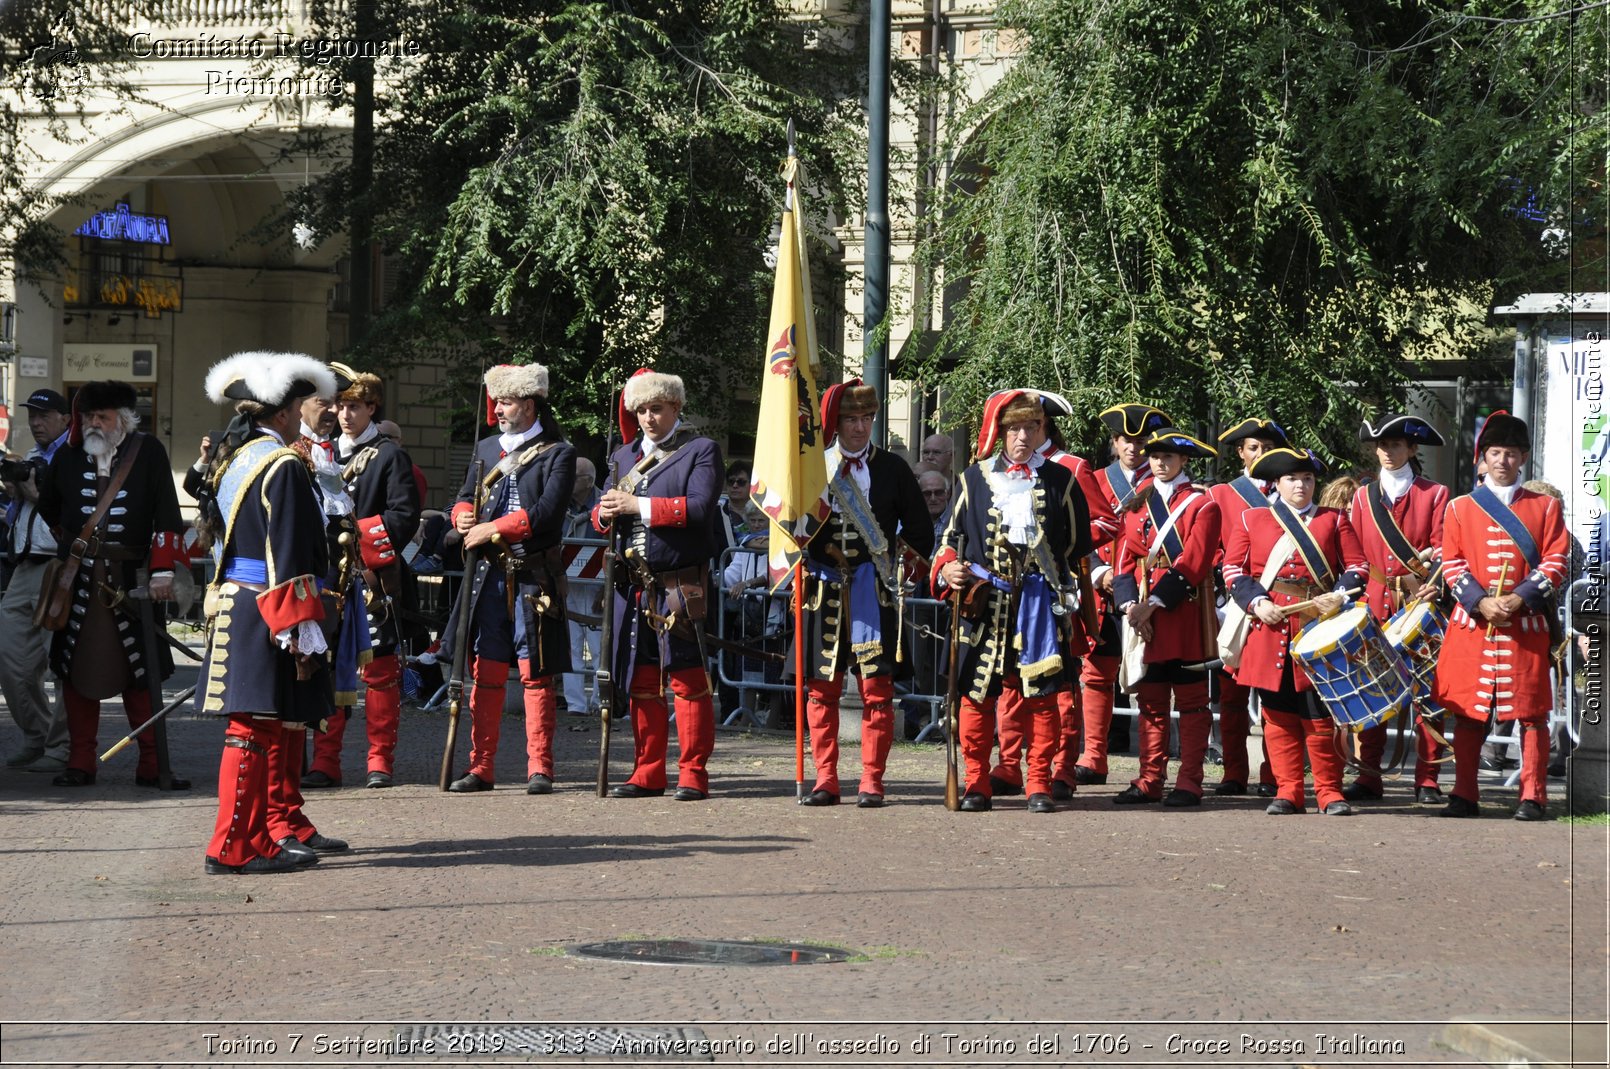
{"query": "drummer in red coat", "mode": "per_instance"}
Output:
(1250, 439)
(1131, 424)
(1398, 518)
(1325, 566)
(1007, 777)
(1163, 568)
(1505, 552)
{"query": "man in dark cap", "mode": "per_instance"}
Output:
(30, 546)
(1398, 518)
(1505, 555)
(117, 481)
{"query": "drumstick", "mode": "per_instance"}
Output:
(1298, 606)
(1498, 591)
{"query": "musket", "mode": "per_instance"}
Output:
(953, 800)
(720, 645)
(1089, 613)
(604, 671)
(465, 608)
(184, 696)
(153, 682)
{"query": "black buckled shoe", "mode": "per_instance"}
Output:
(1530, 810)
(1358, 791)
(296, 849)
(323, 844)
(1179, 798)
(632, 790)
(689, 794)
(539, 784)
(1230, 786)
(175, 783)
(1460, 807)
(74, 777)
(257, 866)
(975, 803)
(1281, 807)
(378, 780)
(868, 800)
(1267, 790)
(1428, 795)
(1085, 777)
(820, 797)
(317, 780)
(1061, 792)
(1041, 803)
(469, 783)
(1340, 809)
(1132, 795)
(1002, 788)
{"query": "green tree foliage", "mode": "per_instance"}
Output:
(1264, 207)
(592, 185)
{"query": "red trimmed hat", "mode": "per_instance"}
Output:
(1501, 428)
(852, 398)
(1020, 403)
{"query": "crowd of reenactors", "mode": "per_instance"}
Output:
(1067, 583)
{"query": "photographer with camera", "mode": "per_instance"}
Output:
(29, 547)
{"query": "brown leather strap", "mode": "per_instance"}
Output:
(1294, 588)
(86, 544)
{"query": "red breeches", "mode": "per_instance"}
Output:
(877, 730)
(241, 831)
(1096, 680)
(84, 721)
(695, 727)
(977, 736)
(1196, 724)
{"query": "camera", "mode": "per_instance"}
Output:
(16, 470)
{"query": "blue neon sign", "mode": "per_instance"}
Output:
(120, 224)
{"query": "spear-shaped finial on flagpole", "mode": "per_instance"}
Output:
(791, 137)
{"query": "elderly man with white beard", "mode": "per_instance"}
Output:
(99, 652)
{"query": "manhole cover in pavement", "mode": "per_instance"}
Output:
(577, 1041)
(710, 952)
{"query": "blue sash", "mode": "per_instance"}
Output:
(354, 647)
(1318, 567)
(244, 466)
(1172, 544)
(1118, 482)
(1505, 517)
(1039, 653)
(1254, 497)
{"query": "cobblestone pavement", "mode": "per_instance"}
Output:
(1211, 923)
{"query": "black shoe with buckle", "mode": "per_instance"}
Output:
(1087, 777)
(539, 784)
(1132, 795)
(323, 844)
(1530, 810)
(1178, 798)
(295, 848)
(1230, 786)
(378, 780)
(1460, 807)
(257, 866)
(1281, 807)
(469, 783)
(819, 797)
(1428, 795)
(1061, 792)
(975, 803)
(1359, 791)
(1003, 788)
(632, 790)
(689, 794)
(1041, 803)
(868, 800)
(1340, 809)
(317, 781)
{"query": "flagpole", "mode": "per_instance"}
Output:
(799, 679)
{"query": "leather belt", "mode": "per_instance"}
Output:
(241, 744)
(1295, 588)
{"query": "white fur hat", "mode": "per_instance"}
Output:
(516, 380)
(646, 387)
(270, 379)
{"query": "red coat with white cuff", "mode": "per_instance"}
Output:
(1419, 514)
(1177, 625)
(1246, 555)
(1505, 673)
(379, 477)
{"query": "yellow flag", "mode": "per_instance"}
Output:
(790, 476)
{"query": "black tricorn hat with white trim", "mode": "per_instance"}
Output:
(272, 380)
(1274, 463)
(1410, 428)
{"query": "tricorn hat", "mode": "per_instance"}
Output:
(1410, 428)
(1134, 420)
(852, 398)
(1266, 429)
(1170, 440)
(361, 386)
(1274, 463)
(272, 380)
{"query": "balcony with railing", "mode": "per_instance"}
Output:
(265, 17)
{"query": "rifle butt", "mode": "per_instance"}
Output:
(452, 744)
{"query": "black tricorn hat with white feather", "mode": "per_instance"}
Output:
(272, 380)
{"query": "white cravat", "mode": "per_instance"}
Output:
(1394, 484)
(861, 474)
(515, 439)
(1166, 489)
(1506, 494)
(1014, 497)
(347, 446)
